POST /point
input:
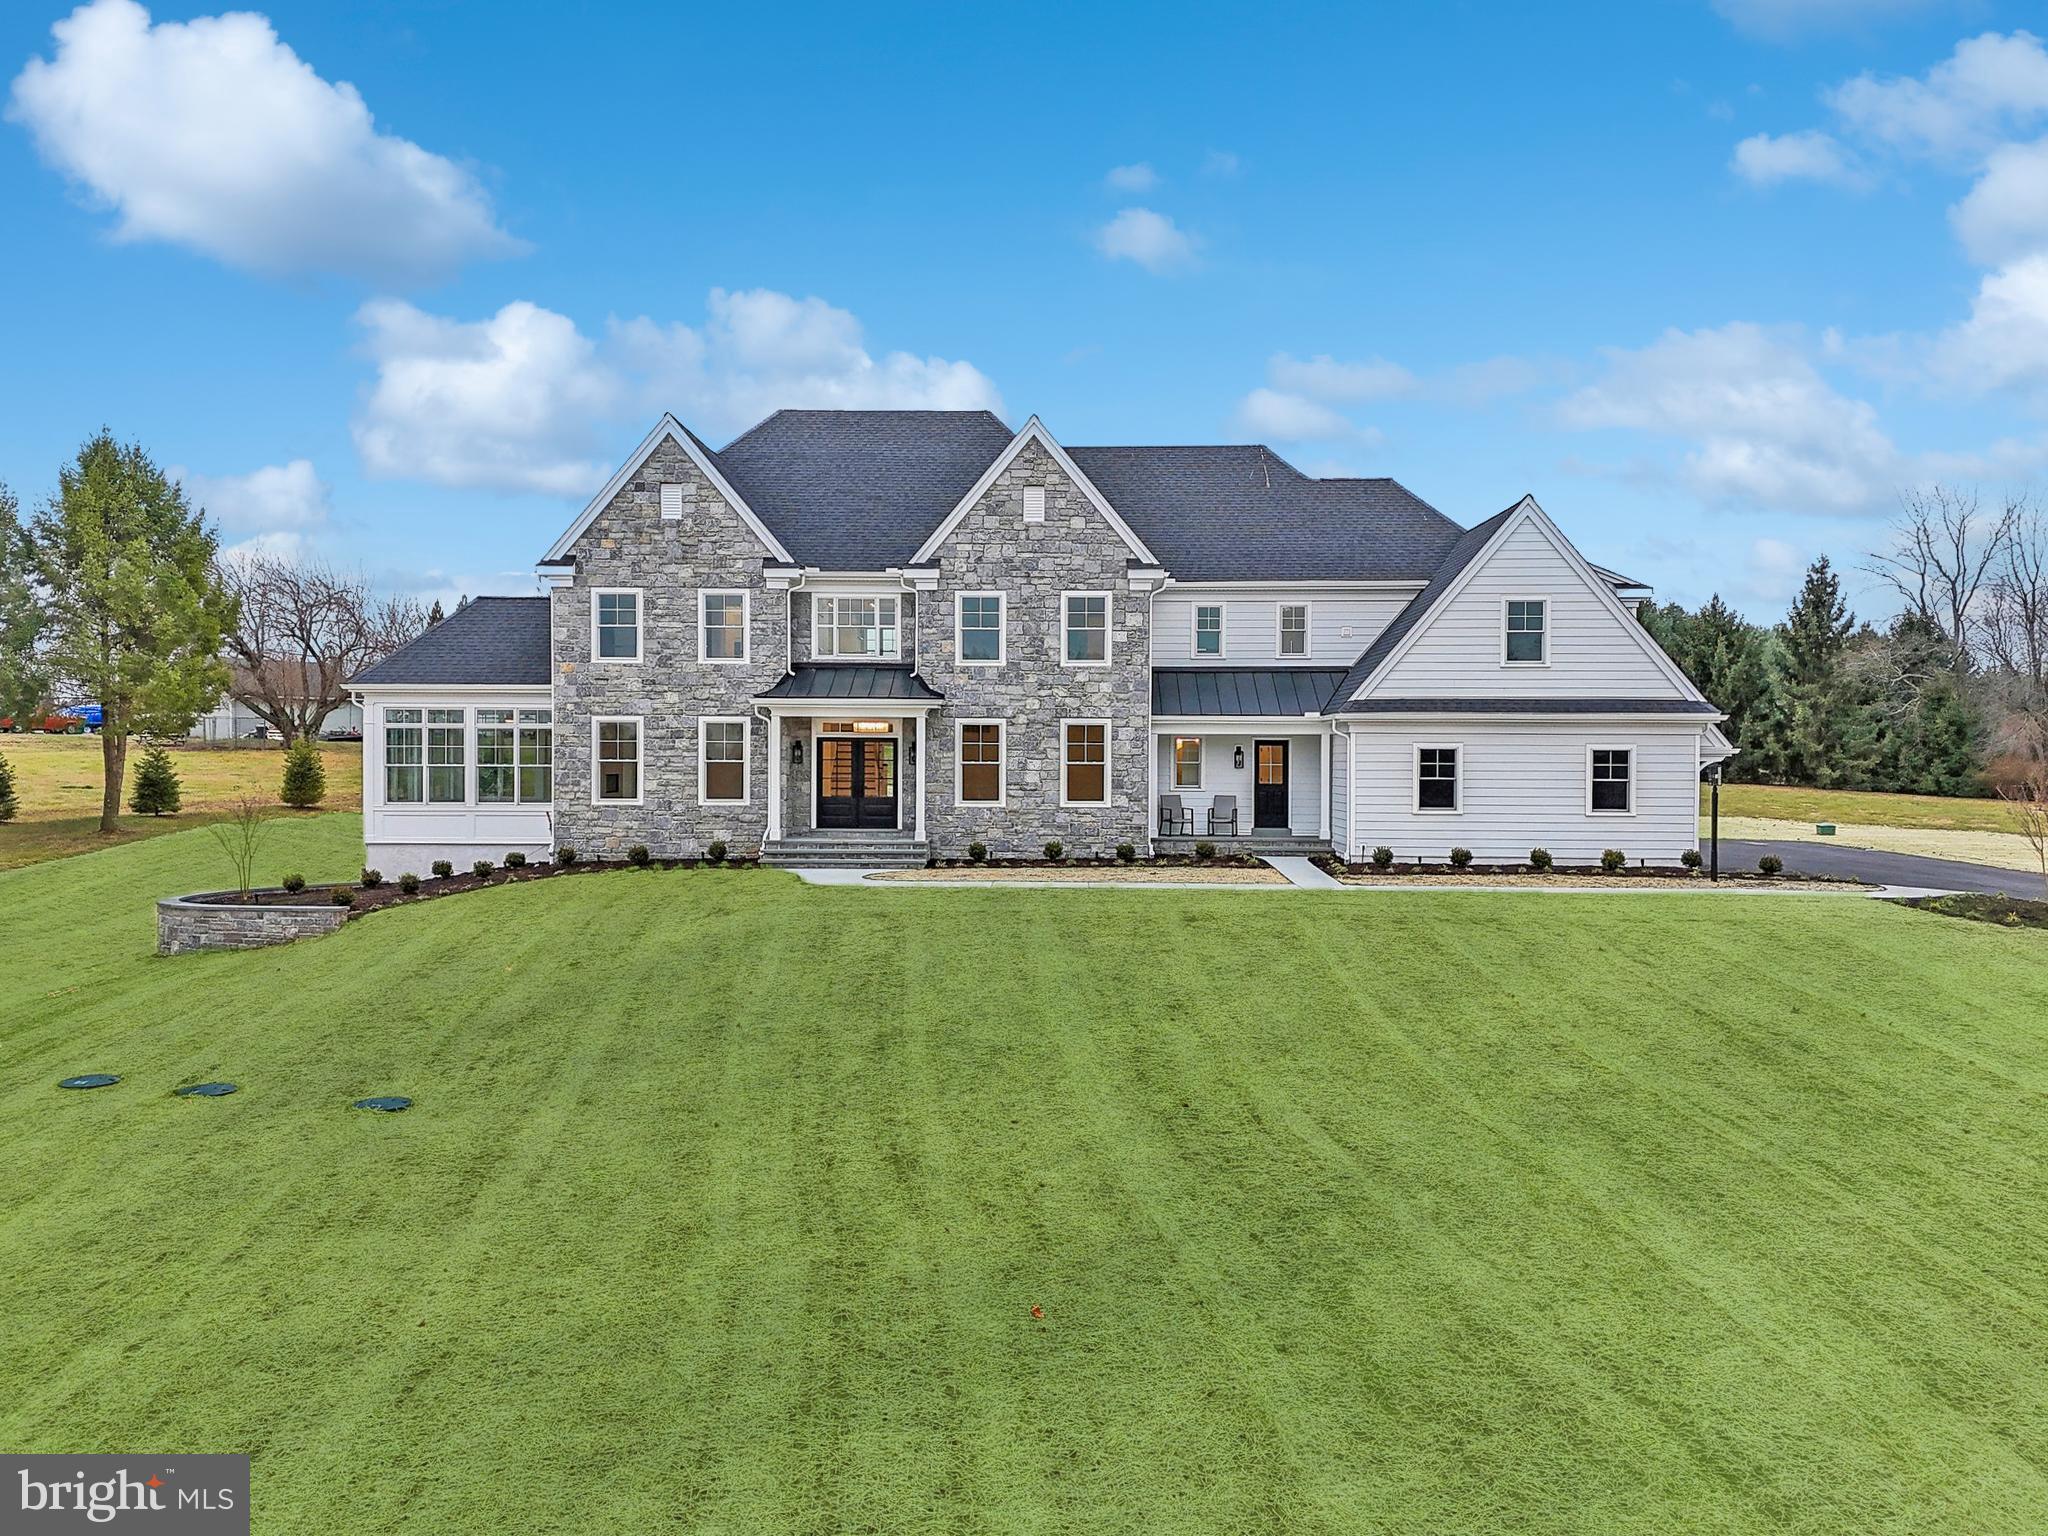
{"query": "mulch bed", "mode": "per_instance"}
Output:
(1561, 874)
(2001, 911)
(388, 894)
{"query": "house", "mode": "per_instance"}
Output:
(231, 718)
(893, 634)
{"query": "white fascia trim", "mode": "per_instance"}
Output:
(428, 692)
(1184, 588)
(1033, 430)
(668, 426)
(1362, 720)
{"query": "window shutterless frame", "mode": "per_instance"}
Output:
(617, 749)
(1608, 765)
(1525, 627)
(1084, 614)
(971, 613)
(1084, 759)
(835, 616)
(975, 748)
(1430, 759)
(608, 622)
(724, 744)
(717, 602)
(405, 780)
(1187, 762)
(1283, 631)
(1206, 619)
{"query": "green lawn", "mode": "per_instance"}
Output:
(1791, 802)
(726, 1201)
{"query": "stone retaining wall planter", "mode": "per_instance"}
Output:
(214, 920)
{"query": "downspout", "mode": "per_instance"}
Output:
(1340, 728)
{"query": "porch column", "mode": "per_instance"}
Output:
(1152, 740)
(774, 777)
(920, 773)
(1323, 817)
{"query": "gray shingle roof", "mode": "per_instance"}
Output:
(1531, 707)
(502, 640)
(1242, 690)
(842, 681)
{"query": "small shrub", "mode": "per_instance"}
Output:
(977, 853)
(305, 776)
(342, 896)
(1539, 859)
(1460, 857)
(638, 856)
(565, 855)
(443, 869)
(1690, 858)
(293, 884)
(10, 807)
(716, 852)
(482, 869)
(157, 791)
(372, 878)
(1127, 852)
(1383, 857)
(1205, 849)
(1055, 850)
(1612, 860)
(409, 883)
(1771, 864)
(515, 860)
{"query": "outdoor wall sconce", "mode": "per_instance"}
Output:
(1237, 758)
(796, 753)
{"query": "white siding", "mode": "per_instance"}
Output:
(1456, 653)
(1524, 786)
(408, 838)
(1220, 776)
(1340, 792)
(1251, 625)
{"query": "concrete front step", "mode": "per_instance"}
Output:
(845, 853)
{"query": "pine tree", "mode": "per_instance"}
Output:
(157, 791)
(305, 776)
(434, 614)
(1819, 737)
(9, 806)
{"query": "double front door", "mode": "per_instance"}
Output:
(857, 781)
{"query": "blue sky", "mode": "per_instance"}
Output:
(397, 284)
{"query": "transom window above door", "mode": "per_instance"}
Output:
(1208, 629)
(864, 628)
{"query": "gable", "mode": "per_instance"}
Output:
(687, 462)
(1043, 461)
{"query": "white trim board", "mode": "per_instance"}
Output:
(667, 427)
(1033, 431)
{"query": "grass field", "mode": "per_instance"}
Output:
(1775, 802)
(57, 780)
(726, 1201)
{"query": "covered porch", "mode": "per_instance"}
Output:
(846, 756)
(1240, 756)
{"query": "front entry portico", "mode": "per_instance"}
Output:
(856, 785)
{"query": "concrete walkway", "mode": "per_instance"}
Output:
(1301, 873)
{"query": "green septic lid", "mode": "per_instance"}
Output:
(1825, 828)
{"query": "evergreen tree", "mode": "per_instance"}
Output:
(305, 776)
(23, 687)
(134, 611)
(1818, 737)
(434, 614)
(9, 806)
(157, 790)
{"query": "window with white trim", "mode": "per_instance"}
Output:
(1293, 629)
(722, 626)
(515, 756)
(980, 763)
(536, 756)
(446, 731)
(618, 759)
(1208, 629)
(1087, 629)
(615, 624)
(404, 782)
(722, 761)
(1085, 762)
(863, 628)
(1436, 779)
(1525, 641)
(1611, 786)
(1187, 762)
(980, 618)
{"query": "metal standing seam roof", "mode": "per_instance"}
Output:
(854, 683)
(1242, 690)
(494, 640)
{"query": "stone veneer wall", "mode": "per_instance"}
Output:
(630, 544)
(183, 925)
(1074, 549)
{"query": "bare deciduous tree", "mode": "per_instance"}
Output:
(240, 834)
(304, 631)
(2014, 627)
(1944, 550)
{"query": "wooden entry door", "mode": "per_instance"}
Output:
(1269, 784)
(857, 782)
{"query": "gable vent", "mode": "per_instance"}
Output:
(1034, 503)
(671, 501)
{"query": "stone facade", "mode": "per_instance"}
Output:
(183, 924)
(669, 689)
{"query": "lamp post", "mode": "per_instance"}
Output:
(1714, 824)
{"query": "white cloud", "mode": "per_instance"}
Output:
(1989, 87)
(1762, 425)
(276, 499)
(1132, 178)
(1322, 377)
(1764, 160)
(1221, 162)
(2004, 343)
(2005, 215)
(279, 544)
(1773, 571)
(525, 401)
(1150, 239)
(214, 135)
(1277, 416)
(1784, 20)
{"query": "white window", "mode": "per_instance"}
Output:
(1187, 762)
(854, 627)
(1293, 629)
(615, 624)
(1437, 783)
(1084, 765)
(536, 756)
(722, 626)
(1034, 503)
(515, 756)
(615, 748)
(403, 781)
(978, 637)
(446, 730)
(979, 763)
(672, 501)
(1524, 637)
(1610, 781)
(1208, 629)
(723, 772)
(1087, 629)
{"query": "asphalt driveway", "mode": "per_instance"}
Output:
(1880, 868)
